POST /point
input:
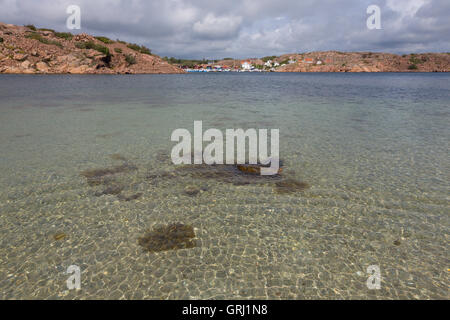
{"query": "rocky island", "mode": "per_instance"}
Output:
(29, 50)
(336, 61)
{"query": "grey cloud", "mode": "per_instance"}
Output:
(212, 27)
(249, 28)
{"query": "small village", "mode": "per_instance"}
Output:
(327, 61)
(252, 65)
(265, 64)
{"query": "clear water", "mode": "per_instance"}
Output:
(374, 149)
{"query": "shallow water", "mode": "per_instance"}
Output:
(373, 149)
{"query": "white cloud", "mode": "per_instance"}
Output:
(406, 7)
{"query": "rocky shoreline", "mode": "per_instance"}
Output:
(28, 50)
(335, 61)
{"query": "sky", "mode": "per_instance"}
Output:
(215, 29)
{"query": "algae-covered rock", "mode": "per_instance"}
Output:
(113, 189)
(129, 197)
(253, 168)
(170, 237)
(290, 186)
(59, 236)
(191, 190)
(96, 173)
(234, 174)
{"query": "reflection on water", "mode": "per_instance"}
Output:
(86, 179)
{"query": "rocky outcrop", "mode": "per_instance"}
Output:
(334, 61)
(30, 50)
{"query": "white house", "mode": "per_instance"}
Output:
(319, 62)
(276, 64)
(246, 65)
(268, 63)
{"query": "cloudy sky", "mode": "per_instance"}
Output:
(248, 28)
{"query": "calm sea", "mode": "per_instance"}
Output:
(365, 182)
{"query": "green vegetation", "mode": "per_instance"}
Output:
(414, 60)
(118, 50)
(265, 59)
(102, 49)
(45, 29)
(104, 39)
(145, 50)
(134, 46)
(185, 62)
(38, 37)
(84, 45)
(30, 26)
(138, 48)
(64, 35)
(227, 59)
(130, 59)
(1, 39)
(412, 67)
(120, 41)
(286, 61)
(92, 45)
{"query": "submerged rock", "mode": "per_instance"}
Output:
(238, 175)
(105, 177)
(191, 190)
(129, 198)
(59, 236)
(96, 173)
(290, 186)
(170, 237)
(253, 168)
(99, 181)
(249, 168)
(234, 174)
(114, 189)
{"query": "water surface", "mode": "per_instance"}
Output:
(373, 148)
